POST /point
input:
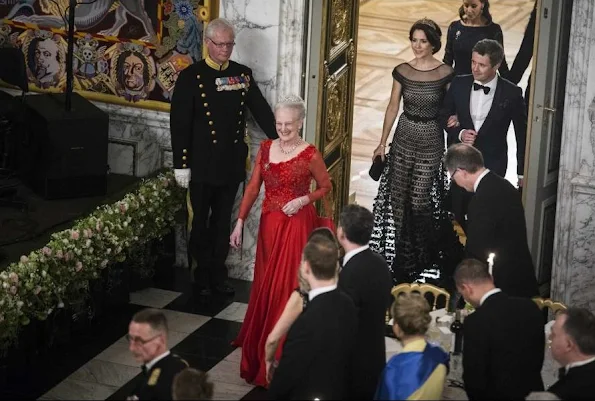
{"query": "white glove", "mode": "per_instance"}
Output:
(182, 176)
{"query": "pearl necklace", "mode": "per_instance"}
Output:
(293, 147)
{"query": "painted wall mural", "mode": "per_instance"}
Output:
(125, 51)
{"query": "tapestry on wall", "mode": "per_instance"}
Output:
(125, 51)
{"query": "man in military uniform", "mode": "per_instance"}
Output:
(208, 124)
(147, 341)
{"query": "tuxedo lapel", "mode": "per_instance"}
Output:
(495, 105)
(466, 99)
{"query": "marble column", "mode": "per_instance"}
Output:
(573, 275)
(269, 40)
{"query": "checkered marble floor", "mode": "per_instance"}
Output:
(99, 365)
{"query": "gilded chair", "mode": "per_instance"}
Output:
(423, 289)
(547, 303)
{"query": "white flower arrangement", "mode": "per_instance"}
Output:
(48, 278)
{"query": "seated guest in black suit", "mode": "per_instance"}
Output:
(504, 339)
(573, 347)
(366, 278)
(147, 341)
(318, 348)
(495, 221)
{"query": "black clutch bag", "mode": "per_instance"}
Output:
(377, 168)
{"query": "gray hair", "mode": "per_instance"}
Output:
(292, 102)
(463, 156)
(218, 24)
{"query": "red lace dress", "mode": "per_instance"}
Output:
(281, 240)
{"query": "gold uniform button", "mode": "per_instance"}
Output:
(236, 141)
(198, 77)
(238, 131)
(241, 103)
(208, 113)
(183, 166)
(210, 123)
(200, 86)
(203, 95)
(243, 93)
(183, 157)
(241, 112)
(239, 123)
(214, 141)
(213, 132)
(242, 74)
(185, 151)
(205, 104)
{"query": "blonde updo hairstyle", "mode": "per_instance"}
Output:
(411, 312)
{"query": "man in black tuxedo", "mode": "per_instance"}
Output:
(496, 221)
(503, 340)
(366, 278)
(485, 104)
(319, 344)
(208, 127)
(573, 347)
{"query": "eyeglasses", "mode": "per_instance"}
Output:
(222, 45)
(139, 340)
(452, 175)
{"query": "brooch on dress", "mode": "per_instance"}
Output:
(457, 34)
(266, 166)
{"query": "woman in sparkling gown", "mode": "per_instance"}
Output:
(286, 166)
(412, 230)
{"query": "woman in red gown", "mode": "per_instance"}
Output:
(287, 166)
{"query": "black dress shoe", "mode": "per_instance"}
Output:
(225, 288)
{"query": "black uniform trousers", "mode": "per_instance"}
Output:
(211, 224)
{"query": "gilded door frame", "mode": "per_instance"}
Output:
(336, 94)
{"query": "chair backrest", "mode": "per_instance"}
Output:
(423, 289)
(13, 70)
(547, 303)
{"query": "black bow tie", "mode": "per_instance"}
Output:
(561, 372)
(476, 87)
(144, 369)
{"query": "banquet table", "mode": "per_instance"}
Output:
(454, 381)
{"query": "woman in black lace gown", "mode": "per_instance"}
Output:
(412, 230)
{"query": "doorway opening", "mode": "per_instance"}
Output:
(383, 43)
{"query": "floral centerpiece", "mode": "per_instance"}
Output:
(58, 274)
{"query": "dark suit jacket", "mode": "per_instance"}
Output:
(508, 105)
(317, 350)
(367, 280)
(525, 53)
(158, 381)
(208, 121)
(503, 347)
(577, 384)
(496, 223)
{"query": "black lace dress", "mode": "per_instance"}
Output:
(412, 229)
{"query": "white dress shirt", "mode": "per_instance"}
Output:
(354, 252)
(579, 363)
(488, 294)
(150, 364)
(480, 103)
(486, 171)
(321, 290)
